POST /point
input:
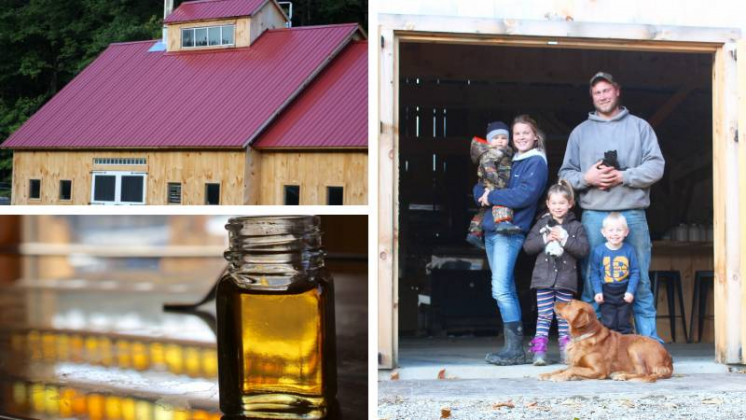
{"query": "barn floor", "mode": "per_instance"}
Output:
(463, 358)
(474, 390)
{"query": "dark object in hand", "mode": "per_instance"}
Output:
(610, 160)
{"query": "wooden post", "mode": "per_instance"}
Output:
(725, 208)
(740, 179)
(252, 176)
(387, 199)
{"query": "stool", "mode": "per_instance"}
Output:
(672, 279)
(703, 282)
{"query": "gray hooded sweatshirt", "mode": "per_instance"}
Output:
(638, 153)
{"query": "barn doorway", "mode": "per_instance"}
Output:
(449, 92)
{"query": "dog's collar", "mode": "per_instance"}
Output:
(583, 337)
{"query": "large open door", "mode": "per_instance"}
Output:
(428, 59)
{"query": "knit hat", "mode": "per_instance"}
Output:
(497, 127)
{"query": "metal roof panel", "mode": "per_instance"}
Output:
(213, 9)
(129, 97)
(331, 112)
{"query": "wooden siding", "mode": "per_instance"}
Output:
(313, 172)
(191, 168)
(269, 17)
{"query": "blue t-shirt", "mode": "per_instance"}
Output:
(614, 266)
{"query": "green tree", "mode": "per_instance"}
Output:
(45, 43)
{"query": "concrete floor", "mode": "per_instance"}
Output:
(463, 358)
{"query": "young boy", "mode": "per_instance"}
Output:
(615, 274)
(494, 157)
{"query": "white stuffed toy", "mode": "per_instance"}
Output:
(553, 248)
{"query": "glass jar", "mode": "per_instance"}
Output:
(275, 308)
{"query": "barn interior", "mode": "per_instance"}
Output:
(449, 92)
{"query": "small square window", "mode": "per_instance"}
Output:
(34, 191)
(174, 193)
(187, 37)
(66, 189)
(213, 35)
(292, 195)
(227, 33)
(212, 194)
(334, 196)
(104, 187)
(132, 189)
(200, 37)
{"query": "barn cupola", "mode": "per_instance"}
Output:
(211, 24)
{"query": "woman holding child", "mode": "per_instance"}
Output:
(527, 183)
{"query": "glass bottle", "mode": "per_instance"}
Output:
(275, 308)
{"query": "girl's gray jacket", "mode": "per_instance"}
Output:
(557, 272)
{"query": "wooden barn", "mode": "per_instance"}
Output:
(447, 68)
(231, 107)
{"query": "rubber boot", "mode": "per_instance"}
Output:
(512, 353)
(539, 349)
(563, 342)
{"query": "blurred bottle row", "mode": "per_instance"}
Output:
(61, 402)
(196, 360)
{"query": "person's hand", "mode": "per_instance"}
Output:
(599, 298)
(603, 177)
(629, 297)
(483, 200)
(557, 234)
(553, 236)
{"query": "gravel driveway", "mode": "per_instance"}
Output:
(696, 396)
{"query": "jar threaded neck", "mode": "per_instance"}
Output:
(273, 251)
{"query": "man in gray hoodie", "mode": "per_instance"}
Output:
(618, 181)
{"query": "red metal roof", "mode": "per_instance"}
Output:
(129, 97)
(331, 112)
(213, 9)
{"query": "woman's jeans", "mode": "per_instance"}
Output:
(643, 306)
(502, 252)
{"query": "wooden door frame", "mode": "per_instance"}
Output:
(728, 160)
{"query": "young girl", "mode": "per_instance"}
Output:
(560, 241)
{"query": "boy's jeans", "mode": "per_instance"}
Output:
(643, 306)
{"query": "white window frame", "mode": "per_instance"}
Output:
(118, 187)
(207, 28)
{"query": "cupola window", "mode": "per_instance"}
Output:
(208, 36)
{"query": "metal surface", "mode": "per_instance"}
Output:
(129, 97)
(331, 112)
(214, 9)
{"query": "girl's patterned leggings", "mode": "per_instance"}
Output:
(545, 299)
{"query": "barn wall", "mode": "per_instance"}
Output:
(192, 168)
(313, 172)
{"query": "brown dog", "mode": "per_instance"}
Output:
(596, 352)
